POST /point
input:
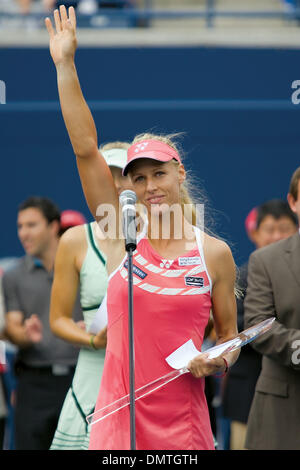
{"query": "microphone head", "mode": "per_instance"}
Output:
(127, 197)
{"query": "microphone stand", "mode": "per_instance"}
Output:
(127, 200)
(131, 350)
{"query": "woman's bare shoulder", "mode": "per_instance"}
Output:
(73, 238)
(215, 246)
(219, 259)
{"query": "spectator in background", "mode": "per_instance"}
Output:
(44, 364)
(25, 6)
(87, 6)
(291, 4)
(7, 376)
(3, 408)
(266, 224)
(2, 317)
(52, 4)
(273, 291)
(70, 218)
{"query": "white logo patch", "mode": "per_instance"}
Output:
(141, 147)
(189, 261)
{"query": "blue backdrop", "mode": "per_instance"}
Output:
(234, 105)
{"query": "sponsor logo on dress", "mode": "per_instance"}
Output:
(194, 281)
(166, 263)
(189, 261)
(136, 270)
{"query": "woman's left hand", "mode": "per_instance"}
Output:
(100, 339)
(201, 366)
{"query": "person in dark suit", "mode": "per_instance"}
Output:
(44, 364)
(274, 291)
(266, 224)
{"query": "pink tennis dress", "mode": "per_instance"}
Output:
(172, 301)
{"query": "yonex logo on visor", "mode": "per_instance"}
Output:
(140, 147)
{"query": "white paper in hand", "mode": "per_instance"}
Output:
(100, 319)
(181, 356)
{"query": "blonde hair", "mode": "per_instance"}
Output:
(115, 145)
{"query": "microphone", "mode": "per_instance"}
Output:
(127, 200)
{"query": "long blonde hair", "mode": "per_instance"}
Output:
(190, 192)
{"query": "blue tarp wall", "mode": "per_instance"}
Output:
(242, 131)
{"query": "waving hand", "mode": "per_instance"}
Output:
(63, 42)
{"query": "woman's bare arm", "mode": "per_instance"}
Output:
(224, 311)
(64, 292)
(96, 178)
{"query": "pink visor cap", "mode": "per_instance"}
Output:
(153, 149)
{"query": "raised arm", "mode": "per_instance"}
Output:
(96, 178)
